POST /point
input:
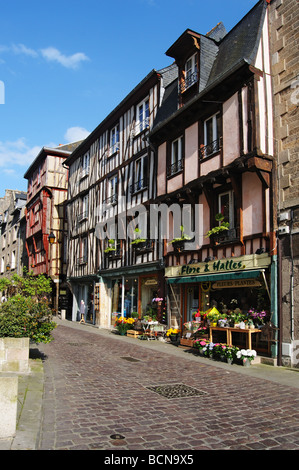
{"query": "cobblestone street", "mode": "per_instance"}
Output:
(99, 385)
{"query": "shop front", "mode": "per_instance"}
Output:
(83, 299)
(223, 293)
(134, 291)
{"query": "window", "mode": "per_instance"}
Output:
(140, 175)
(142, 117)
(176, 162)
(114, 140)
(190, 73)
(84, 212)
(83, 251)
(212, 133)
(112, 190)
(226, 207)
(85, 165)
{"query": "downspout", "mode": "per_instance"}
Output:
(279, 293)
(292, 279)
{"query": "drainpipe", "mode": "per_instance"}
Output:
(279, 294)
(292, 279)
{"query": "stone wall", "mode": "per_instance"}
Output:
(284, 22)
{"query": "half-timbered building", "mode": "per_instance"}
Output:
(112, 174)
(214, 145)
(46, 220)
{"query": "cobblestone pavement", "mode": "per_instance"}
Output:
(100, 385)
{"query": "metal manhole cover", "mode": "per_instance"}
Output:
(176, 391)
(130, 359)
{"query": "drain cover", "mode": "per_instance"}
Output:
(176, 391)
(130, 359)
(117, 436)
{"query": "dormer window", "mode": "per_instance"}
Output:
(190, 73)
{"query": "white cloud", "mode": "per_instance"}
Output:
(74, 134)
(17, 153)
(51, 54)
(21, 49)
(72, 61)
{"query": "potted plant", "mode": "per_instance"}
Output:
(213, 315)
(216, 233)
(173, 334)
(202, 345)
(202, 330)
(111, 246)
(257, 317)
(138, 242)
(230, 353)
(113, 249)
(246, 356)
(179, 243)
(123, 325)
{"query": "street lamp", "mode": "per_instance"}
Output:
(51, 238)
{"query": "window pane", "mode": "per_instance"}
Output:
(209, 131)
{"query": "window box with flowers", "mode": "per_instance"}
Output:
(179, 243)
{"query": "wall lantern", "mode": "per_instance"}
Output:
(8, 267)
(51, 238)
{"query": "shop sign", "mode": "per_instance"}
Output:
(151, 282)
(240, 263)
(236, 283)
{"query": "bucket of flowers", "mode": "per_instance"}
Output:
(219, 351)
(230, 353)
(173, 334)
(202, 345)
(246, 356)
(123, 325)
(201, 331)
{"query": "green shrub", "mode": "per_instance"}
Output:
(26, 312)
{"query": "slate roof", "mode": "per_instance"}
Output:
(221, 55)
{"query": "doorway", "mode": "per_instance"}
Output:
(192, 301)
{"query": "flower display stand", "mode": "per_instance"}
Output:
(187, 342)
(133, 333)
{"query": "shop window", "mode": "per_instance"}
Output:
(124, 297)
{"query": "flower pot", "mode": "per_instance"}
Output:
(174, 338)
(246, 362)
(229, 360)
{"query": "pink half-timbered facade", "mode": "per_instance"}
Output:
(214, 155)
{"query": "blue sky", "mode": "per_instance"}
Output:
(66, 64)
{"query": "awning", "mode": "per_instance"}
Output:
(250, 274)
